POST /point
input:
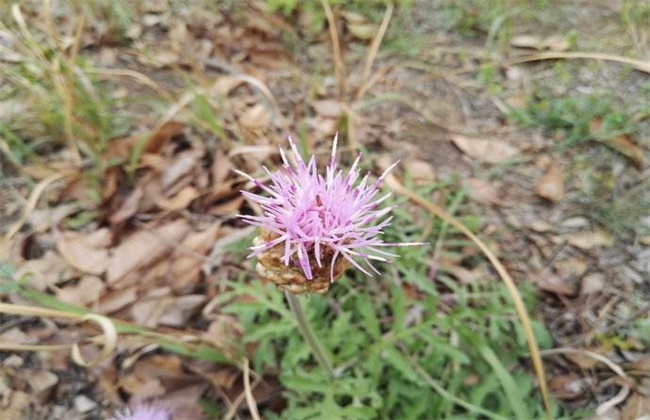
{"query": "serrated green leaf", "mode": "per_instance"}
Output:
(271, 330)
(395, 359)
(514, 395)
(368, 314)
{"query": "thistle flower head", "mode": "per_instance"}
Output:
(320, 223)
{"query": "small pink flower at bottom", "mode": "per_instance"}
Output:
(314, 226)
(143, 411)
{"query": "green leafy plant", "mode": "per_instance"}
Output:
(395, 355)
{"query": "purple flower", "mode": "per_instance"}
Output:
(145, 412)
(317, 219)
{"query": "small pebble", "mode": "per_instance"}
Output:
(84, 404)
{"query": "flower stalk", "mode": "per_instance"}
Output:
(308, 334)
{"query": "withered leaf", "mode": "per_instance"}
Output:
(143, 248)
(568, 387)
(129, 207)
(186, 269)
(179, 201)
(420, 170)
(181, 309)
(40, 381)
(555, 284)
(526, 41)
(592, 283)
(117, 299)
(482, 191)
(491, 151)
(257, 116)
(221, 167)
(88, 290)
(181, 165)
(623, 143)
(146, 143)
(590, 239)
(551, 186)
(363, 31)
(88, 252)
(637, 407)
(328, 108)
(46, 271)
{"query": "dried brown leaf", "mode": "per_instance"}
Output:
(517, 101)
(44, 272)
(83, 404)
(551, 186)
(491, 151)
(147, 311)
(555, 284)
(482, 191)
(229, 208)
(590, 239)
(328, 108)
(223, 331)
(178, 169)
(87, 252)
(257, 116)
(363, 31)
(553, 43)
(186, 269)
(556, 43)
(143, 248)
(526, 41)
(142, 389)
(15, 405)
(129, 207)
(624, 144)
(159, 366)
(41, 220)
(637, 407)
(147, 143)
(40, 382)
(420, 170)
(221, 167)
(181, 309)
(582, 360)
(117, 299)
(571, 266)
(568, 387)
(88, 290)
(186, 401)
(592, 283)
(179, 201)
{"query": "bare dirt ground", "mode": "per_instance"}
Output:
(536, 117)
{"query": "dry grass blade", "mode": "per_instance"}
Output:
(376, 43)
(250, 400)
(188, 97)
(108, 338)
(109, 344)
(145, 80)
(33, 44)
(564, 350)
(603, 410)
(503, 273)
(31, 204)
(643, 66)
(339, 65)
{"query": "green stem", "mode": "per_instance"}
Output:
(305, 329)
